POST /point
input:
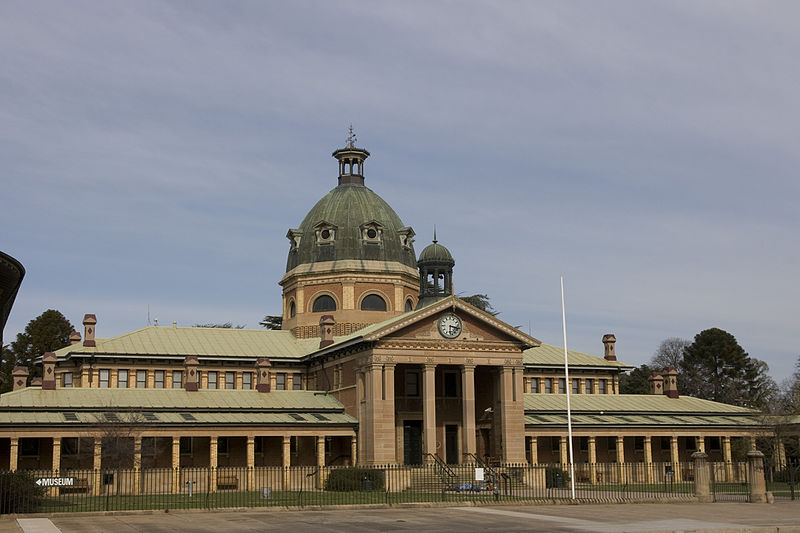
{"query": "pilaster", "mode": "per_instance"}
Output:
(429, 411)
(469, 444)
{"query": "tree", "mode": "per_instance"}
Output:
(46, 333)
(669, 353)
(6, 367)
(636, 382)
(715, 367)
(481, 301)
(272, 322)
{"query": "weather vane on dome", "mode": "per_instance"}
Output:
(351, 138)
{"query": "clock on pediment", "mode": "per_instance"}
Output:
(450, 326)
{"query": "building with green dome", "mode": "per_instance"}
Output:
(377, 362)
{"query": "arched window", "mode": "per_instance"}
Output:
(292, 309)
(409, 305)
(373, 302)
(323, 303)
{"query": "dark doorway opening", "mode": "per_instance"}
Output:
(412, 442)
(451, 444)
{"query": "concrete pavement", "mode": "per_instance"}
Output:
(783, 517)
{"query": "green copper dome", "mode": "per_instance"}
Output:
(351, 223)
(435, 253)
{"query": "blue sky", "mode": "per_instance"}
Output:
(154, 154)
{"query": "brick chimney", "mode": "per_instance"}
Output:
(190, 364)
(262, 369)
(20, 377)
(89, 322)
(608, 344)
(656, 381)
(74, 337)
(326, 323)
(49, 371)
(670, 381)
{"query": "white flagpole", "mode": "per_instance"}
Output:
(568, 387)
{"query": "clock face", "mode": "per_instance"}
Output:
(450, 326)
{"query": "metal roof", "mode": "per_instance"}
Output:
(202, 342)
(553, 356)
(154, 407)
(634, 410)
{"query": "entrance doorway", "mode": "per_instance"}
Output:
(412, 442)
(451, 444)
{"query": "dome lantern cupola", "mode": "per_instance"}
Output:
(351, 161)
(435, 265)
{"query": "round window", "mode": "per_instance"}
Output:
(325, 234)
(371, 233)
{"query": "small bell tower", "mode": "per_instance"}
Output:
(435, 265)
(351, 161)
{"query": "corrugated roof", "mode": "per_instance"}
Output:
(663, 420)
(549, 355)
(208, 342)
(628, 403)
(83, 418)
(167, 399)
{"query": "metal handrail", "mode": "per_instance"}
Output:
(445, 472)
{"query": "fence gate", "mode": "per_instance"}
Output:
(783, 480)
(730, 482)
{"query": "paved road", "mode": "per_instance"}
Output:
(546, 518)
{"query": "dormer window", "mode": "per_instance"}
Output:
(325, 233)
(406, 237)
(294, 236)
(372, 232)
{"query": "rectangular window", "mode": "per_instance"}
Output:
(412, 384)
(562, 385)
(28, 447)
(638, 443)
(69, 446)
(222, 445)
(601, 386)
(548, 385)
(583, 444)
(714, 443)
(664, 443)
(534, 384)
(67, 379)
(555, 444)
(450, 385)
(230, 380)
(186, 445)
(177, 379)
(611, 443)
(691, 443)
(105, 374)
(247, 380)
(258, 445)
(122, 379)
(159, 379)
(589, 386)
(212, 380)
(576, 386)
(280, 381)
(297, 381)
(141, 379)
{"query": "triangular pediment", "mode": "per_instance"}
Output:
(422, 324)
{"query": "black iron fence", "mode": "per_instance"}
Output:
(783, 480)
(730, 481)
(298, 486)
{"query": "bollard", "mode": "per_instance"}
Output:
(702, 479)
(758, 484)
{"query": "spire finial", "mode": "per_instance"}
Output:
(351, 138)
(434, 234)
